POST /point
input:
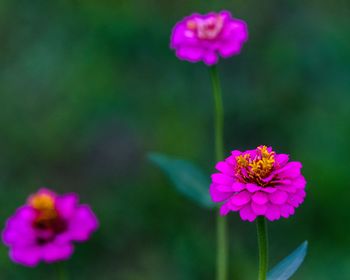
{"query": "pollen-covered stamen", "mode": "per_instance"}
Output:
(253, 170)
(207, 29)
(48, 221)
(263, 164)
(44, 203)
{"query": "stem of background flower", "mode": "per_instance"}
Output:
(263, 247)
(222, 250)
(62, 271)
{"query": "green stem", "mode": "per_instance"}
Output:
(222, 252)
(219, 114)
(263, 247)
(62, 271)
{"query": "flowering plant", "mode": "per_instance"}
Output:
(258, 183)
(45, 228)
(205, 37)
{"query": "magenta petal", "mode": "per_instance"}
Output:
(290, 170)
(301, 193)
(191, 54)
(240, 199)
(247, 214)
(222, 179)
(66, 204)
(253, 188)
(296, 199)
(259, 209)
(224, 209)
(225, 168)
(178, 35)
(273, 213)
(299, 182)
(210, 58)
(237, 187)
(260, 198)
(236, 153)
(224, 188)
(286, 210)
(283, 182)
(18, 230)
(234, 207)
(288, 189)
(56, 252)
(230, 48)
(269, 189)
(293, 200)
(83, 223)
(18, 236)
(278, 197)
(217, 195)
(28, 256)
(25, 214)
(281, 159)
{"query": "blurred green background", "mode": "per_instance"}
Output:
(88, 88)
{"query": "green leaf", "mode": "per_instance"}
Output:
(186, 177)
(289, 265)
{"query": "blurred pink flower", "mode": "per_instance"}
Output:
(46, 226)
(204, 37)
(258, 183)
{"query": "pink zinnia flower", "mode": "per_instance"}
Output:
(46, 226)
(258, 183)
(204, 37)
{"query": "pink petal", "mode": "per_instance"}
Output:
(299, 182)
(252, 188)
(290, 170)
(272, 213)
(259, 209)
(28, 256)
(260, 198)
(231, 160)
(247, 214)
(210, 58)
(295, 200)
(224, 209)
(234, 207)
(192, 54)
(224, 188)
(230, 48)
(268, 189)
(53, 252)
(281, 159)
(225, 168)
(237, 187)
(222, 179)
(236, 153)
(278, 197)
(282, 182)
(288, 188)
(217, 195)
(301, 193)
(286, 210)
(66, 204)
(83, 224)
(240, 199)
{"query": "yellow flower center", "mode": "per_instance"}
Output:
(207, 29)
(257, 168)
(45, 205)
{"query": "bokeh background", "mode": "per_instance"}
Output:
(89, 88)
